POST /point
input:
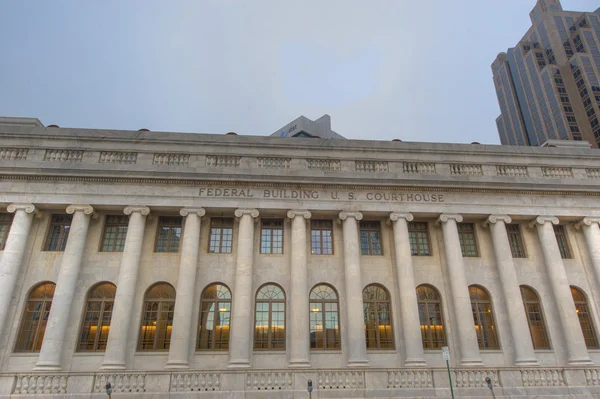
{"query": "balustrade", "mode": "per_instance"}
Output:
(341, 379)
(410, 379)
(121, 382)
(474, 378)
(419, 167)
(269, 381)
(200, 381)
(13, 154)
(40, 384)
(548, 377)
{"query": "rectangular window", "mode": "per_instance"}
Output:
(418, 235)
(515, 240)
(115, 230)
(58, 232)
(169, 234)
(561, 239)
(321, 237)
(468, 243)
(221, 235)
(5, 222)
(271, 236)
(370, 238)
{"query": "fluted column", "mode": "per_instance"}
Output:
(66, 284)
(12, 256)
(116, 347)
(591, 231)
(183, 320)
(242, 314)
(409, 308)
(299, 322)
(517, 320)
(465, 334)
(357, 346)
(569, 321)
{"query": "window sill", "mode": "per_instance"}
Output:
(326, 352)
(543, 351)
(382, 351)
(261, 254)
(152, 353)
(25, 354)
(90, 353)
(270, 352)
(212, 352)
(491, 350)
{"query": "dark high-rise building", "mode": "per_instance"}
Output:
(548, 84)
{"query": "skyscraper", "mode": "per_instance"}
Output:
(548, 84)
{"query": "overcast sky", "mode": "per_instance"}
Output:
(416, 70)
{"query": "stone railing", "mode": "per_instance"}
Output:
(466, 169)
(274, 163)
(40, 384)
(171, 159)
(13, 154)
(419, 167)
(269, 381)
(371, 166)
(118, 157)
(410, 379)
(592, 377)
(512, 170)
(223, 161)
(474, 378)
(557, 173)
(191, 382)
(63, 155)
(543, 377)
(323, 164)
(121, 382)
(341, 380)
(593, 173)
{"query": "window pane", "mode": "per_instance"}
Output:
(516, 240)
(58, 232)
(269, 325)
(466, 235)
(324, 318)
(430, 317)
(157, 318)
(483, 318)
(5, 222)
(215, 317)
(35, 317)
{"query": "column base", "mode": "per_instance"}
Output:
(415, 363)
(527, 362)
(471, 362)
(238, 364)
(580, 361)
(358, 363)
(46, 366)
(298, 364)
(177, 365)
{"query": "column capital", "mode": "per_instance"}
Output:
(541, 220)
(444, 217)
(241, 212)
(28, 208)
(292, 213)
(587, 221)
(186, 211)
(353, 214)
(85, 208)
(144, 210)
(493, 219)
(394, 216)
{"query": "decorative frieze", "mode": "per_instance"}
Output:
(13, 154)
(371, 166)
(466, 169)
(120, 382)
(422, 168)
(543, 377)
(118, 157)
(40, 384)
(410, 379)
(274, 163)
(512, 170)
(557, 173)
(52, 155)
(269, 381)
(195, 382)
(323, 164)
(171, 159)
(341, 379)
(223, 161)
(475, 378)
(593, 173)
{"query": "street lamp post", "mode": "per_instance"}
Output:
(490, 386)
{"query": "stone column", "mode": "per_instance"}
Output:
(10, 263)
(569, 321)
(357, 345)
(517, 320)
(116, 347)
(242, 312)
(299, 322)
(463, 316)
(184, 321)
(591, 231)
(66, 284)
(408, 314)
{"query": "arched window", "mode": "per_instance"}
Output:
(96, 320)
(324, 318)
(215, 316)
(535, 318)
(583, 313)
(378, 317)
(483, 317)
(35, 317)
(430, 316)
(157, 318)
(269, 327)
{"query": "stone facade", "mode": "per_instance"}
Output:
(199, 178)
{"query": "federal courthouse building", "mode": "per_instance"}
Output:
(176, 265)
